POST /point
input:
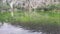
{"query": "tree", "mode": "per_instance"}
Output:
(11, 3)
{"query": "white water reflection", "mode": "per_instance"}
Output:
(9, 29)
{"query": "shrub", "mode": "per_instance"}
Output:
(49, 7)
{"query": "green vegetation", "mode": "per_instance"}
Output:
(47, 17)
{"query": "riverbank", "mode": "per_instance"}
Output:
(43, 17)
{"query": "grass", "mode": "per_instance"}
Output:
(47, 17)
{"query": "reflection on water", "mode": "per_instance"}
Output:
(9, 29)
(14, 28)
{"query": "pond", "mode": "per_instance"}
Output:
(14, 28)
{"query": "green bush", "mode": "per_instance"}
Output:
(49, 7)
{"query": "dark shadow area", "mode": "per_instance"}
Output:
(38, 27)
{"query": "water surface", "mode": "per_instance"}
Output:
(9, 28)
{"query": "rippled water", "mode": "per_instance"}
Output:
(6, 28)
(9, 29)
